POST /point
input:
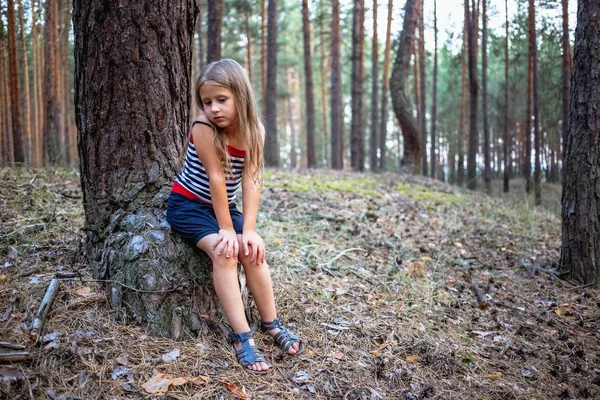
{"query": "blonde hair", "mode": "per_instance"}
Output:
(230, 75)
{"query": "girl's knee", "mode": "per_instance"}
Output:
(224, 262)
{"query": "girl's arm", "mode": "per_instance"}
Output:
(250, 239)
(227, 239)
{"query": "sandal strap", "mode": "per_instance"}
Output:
(284, 338)
(248, 354)
(235, 337)
(269, 326)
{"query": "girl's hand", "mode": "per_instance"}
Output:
(253, 245)
(227, 241)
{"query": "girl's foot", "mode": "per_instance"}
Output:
(247, 353)
(285, 339)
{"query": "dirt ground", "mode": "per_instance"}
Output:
(377, 273)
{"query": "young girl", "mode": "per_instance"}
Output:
(225, 150)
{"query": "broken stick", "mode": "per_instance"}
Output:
(15, 356)
(12, 346)
(480, 299)
(40, 316)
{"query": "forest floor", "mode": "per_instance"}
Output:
(375, 272)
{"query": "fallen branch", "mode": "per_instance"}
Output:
(67, 275)
(334, 259)
(40, 317)
(13, 346)
(480, 299)
(14, 356)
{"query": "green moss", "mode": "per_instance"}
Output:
(431, 196)
(323, 184)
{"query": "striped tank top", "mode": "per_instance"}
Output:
(192, 181)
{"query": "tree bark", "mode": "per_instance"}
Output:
(373, 146)
(271, 146)
(248, 44)
(566, 71)
(263, 51)
(6, 153)
(291, 121)
(52, 126)
(505, 137)
(434, 160)
(308, 82)
(213, 31)
(385, 90)
(70, 148)
(26, 107)
(487, 173)
(580, 256)
(422, 89)
(527, 156)
(35, 148)
(337, 138)
(200, 42)
(132, 102)
(402, 107)
(537, 188)
(17, 130)
(473, 89)
(463, 122)
(357, 139)
(322, 66)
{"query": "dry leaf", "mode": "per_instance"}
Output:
(413, 358)
(200, 380)
(277, 241)
(426, 258)
(85, 291)
(157, 384)
(416, 270)
(495, 376)
(375, 353)
(234, 389)
(559, 311)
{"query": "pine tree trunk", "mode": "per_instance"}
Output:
(271, 146)
(505, 137)
(263, 51)
(434, 160)
(422, 89)
(17, 130)
(527, 156)
(373, 146)
(213, 31)
(6, 152)
(248, 44)
(130, 142)
(200, 42)
(537, 188)
(566, 71)
(357, 139)
(291, 122)
(385, 90)
(463, 123)
(400, 101)
(337, 138)
(52, 126)
(35, 150)
(322, 65)
(580, 256)
(26, 105)
(69, 145)
(41, 105)
(308, 82)
(473, 89)
(487, 173)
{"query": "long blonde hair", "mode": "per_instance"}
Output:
(230, 75)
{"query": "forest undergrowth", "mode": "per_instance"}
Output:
(377, 273)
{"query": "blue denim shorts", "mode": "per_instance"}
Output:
(193, 219)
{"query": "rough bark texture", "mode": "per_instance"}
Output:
(271, 146)
(422, 89)
(337, 143)
(25, 97)
(69, 148)
(385, 90)
(505, 137)
(434, 160)
(357, 137)
(566, 71)
(308, 83)
(487, 173)
(132, 102)
(373, 146)
(402, 107)
(537, 188)
(473, 89)
(580, 257)
(13, 66)
(213, 30)
(51, 106)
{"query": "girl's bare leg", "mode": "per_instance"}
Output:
(225, 280)
(258, 277)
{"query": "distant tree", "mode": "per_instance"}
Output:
(308, 82)
(505, 137)
(13, 64)
(323, 67)
(52, 127)
(385, 90)
(373, 162)
(580, 256)
(487, 173)
(463, 121)
(434, 160)
(271, 146)
(213, 31)
(422, 89)
(6, 153)
(566, 71)
(536, 113)
(337, 138)
(25, 96)
(263, 51)
(200, 40)
(471, 17)
(36, 142)
(402, 107)
(357, 137)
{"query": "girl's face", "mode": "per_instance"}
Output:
(219, 106)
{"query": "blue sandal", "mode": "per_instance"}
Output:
(248, 354)
(284, 338)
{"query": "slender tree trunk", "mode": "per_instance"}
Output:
(41, 103)
(463, 123)
(400, 101)
(6, 150)
(357, 138)
(13, 64)
(487, 173)
(200, 42)
(35, 147)
(580, 256)
(271, 146)
(69, 145)
(322, 65)
(248, 45)
(505, 138)
(373, 146)
(417, 86)
(434, 161)
(473, 89)
(385, 90)
(536, 113)
(25, 97)
(566, 71)
(291, 121)
(527, 156)
(52, 126)
(263, 51)
(337, 138)
(213, 31)
(423, 90)
(308, 81)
